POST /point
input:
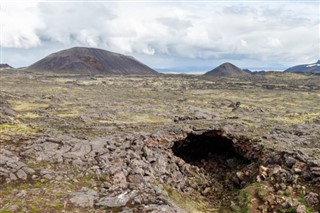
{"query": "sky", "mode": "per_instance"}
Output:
(175, 36)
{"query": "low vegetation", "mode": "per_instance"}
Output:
(108, 137)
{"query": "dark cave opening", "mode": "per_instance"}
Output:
(215, 153)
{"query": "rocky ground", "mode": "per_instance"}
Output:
(166, 143)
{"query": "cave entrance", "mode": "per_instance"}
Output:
(212, 151)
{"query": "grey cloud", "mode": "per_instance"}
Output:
(285, 17)
(195, 31)
(175, 23)
(235, 56)
(72, 22)
(239, 9)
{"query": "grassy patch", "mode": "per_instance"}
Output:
(27, 106)
(188, 202)
(301, 200)
(244, 201)
(100, 179)
(18, 128)
(30, 115)
(39, 196)
(39, 164)
(135, 118)
(67, 113)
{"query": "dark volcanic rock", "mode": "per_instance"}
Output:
(6, 113)
(82, 60)
(227, 69)
(313, 68)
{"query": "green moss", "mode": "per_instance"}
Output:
(18, 128)
(27, 106)
(86, 180)
(281, 209)
(301, 200)
(32, 208)
(30, 115)
(187, 202)
(244, 201)
(67, 113)
(244, 196)
(133, 118)
(39, 184)
(5, 211)
(35, 201)
(262, 192)
(57, 206)
(38, 164)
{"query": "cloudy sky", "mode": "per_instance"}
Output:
(187, 36)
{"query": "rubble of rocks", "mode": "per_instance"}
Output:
(12, 168)
(139, 167)
(5, 110)
(290, 183)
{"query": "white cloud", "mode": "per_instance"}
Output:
(274, 42)
(251, 31)
(244, 43)
(20, 24)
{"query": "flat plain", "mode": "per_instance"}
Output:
(140, 143)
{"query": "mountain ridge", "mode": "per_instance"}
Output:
(303, 68)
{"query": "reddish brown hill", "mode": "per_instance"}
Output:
(82, 60)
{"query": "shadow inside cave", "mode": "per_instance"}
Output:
(212, 151)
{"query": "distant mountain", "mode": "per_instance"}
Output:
(314, 68)
(5, 66)
(82, 60)
(227, 70)
(262, 72)
(247, 71)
